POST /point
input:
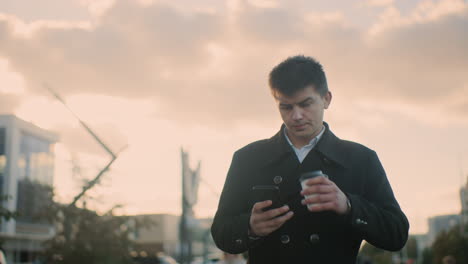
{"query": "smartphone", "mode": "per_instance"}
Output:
(267, 192)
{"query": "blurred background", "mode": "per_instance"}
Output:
(106, 104)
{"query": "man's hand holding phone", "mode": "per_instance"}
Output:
(263, 223)
(267, 214)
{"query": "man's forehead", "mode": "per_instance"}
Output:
(298, 97)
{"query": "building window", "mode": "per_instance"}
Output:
(35, 172)
(32, 201)
(36, 160)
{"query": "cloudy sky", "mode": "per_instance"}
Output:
(161, 75)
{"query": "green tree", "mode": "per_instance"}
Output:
(411, 248)
(452, 242)
(5, 214)
(427, 256)
(85, 237)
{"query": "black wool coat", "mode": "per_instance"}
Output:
(323, 237)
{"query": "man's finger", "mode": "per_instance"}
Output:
(259, 206)
(323, 206)
(279, 221)
(318, 180)
(318, 188)
(264, 224)
(320, 198)
(272, 213)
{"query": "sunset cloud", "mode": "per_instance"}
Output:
(207, 62)
(378, 2)
(8, 103)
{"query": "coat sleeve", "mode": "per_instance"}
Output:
(231, 222)
(376, 215)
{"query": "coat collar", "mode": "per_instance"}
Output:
(328, 146)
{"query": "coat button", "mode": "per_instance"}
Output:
(314, 238)
(277, 179)
(360, 221)
(285, 239)
(239, 241)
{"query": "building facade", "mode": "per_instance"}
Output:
(160, 233)
(441, 223)
(26, 177)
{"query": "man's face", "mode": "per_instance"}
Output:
(302, 113)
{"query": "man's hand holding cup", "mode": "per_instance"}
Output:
(321, 194)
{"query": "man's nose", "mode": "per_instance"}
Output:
(297, 113)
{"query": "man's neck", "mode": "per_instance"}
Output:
(300, 142)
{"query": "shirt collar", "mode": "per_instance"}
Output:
(329, 145)
(312, 142)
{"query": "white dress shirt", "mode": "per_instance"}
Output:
(302, 152)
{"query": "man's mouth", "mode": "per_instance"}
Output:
(302, 126)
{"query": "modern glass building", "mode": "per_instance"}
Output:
(26, 177)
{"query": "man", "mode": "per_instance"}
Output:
(354, 203)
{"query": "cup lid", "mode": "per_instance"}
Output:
(310, 174)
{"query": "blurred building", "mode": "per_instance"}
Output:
(26, 175)
(156, 233)
(204, 245)
(441, 223)
(159, 233)
(464, 207)
(421, 242)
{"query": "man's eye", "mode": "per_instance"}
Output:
(285, 107)
(305, 105)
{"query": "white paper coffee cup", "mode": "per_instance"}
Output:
(304, 177)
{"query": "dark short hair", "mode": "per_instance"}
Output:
(296, 73)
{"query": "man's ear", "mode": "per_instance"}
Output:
(327, 98)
